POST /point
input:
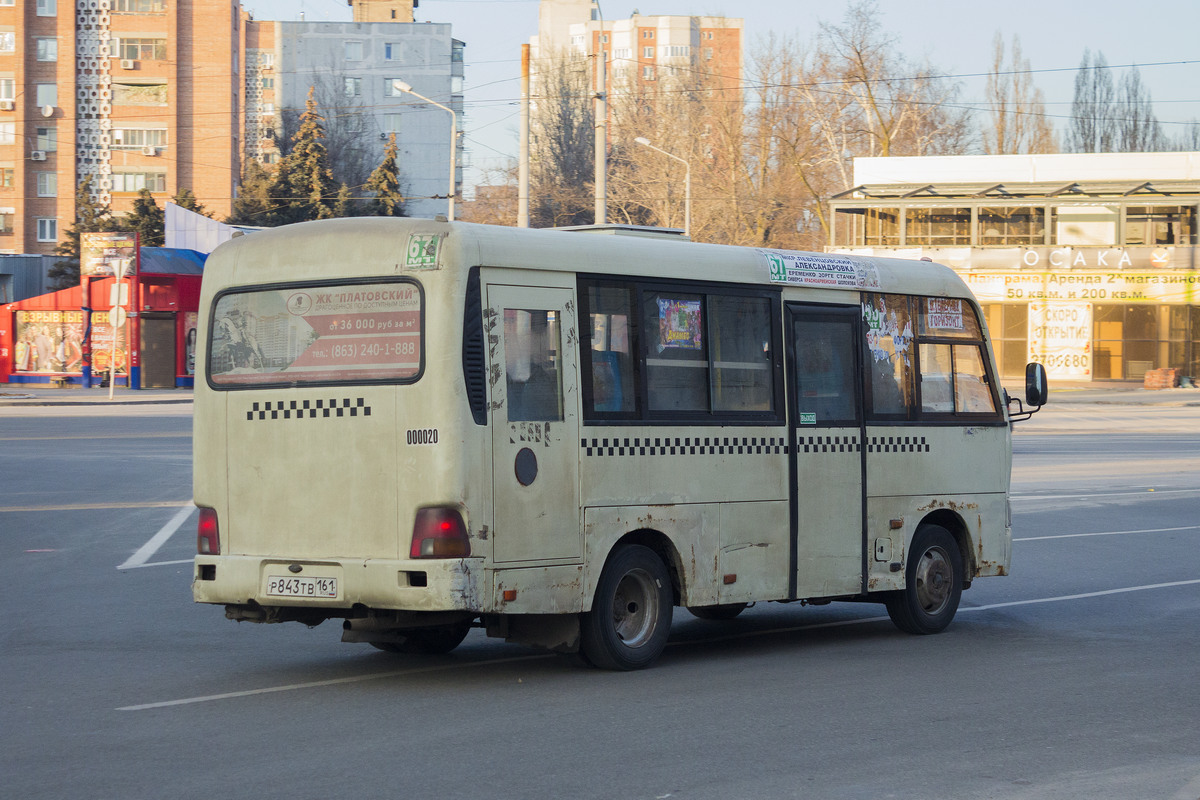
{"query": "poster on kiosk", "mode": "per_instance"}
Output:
(112, 344)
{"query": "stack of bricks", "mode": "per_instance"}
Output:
(1166, 378)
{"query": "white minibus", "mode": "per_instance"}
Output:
(419, 427)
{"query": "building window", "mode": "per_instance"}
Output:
(8, 89)
(140, 49)
(47, 94)
(139, 94)
(867, 227)
(8, 133)
(391, 89)
(708, 54)
(7, 3)
(354, 51)
(938, 227)
(676, 51)
(647, 34)
(47, 8)
(47, 229)
(266, 60)
(1009, 226)
(268, 83)
(648, 73)
(352, 87)
(1126, 342)
(1008, 325)
(623, 53)
(139, 6)
(8, 42)
(7, 215)
(135, 181)
(647, 52)
(47, 48)
(392, 122)
(137, 138)
(47, 184)
(46, 139)
(1160, 225)
(456, 52)
(390, 51)
(7, 175)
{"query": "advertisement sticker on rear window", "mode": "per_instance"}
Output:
(317, 334)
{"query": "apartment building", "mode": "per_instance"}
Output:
(645, 49)
(1088, 263)
(167, 95)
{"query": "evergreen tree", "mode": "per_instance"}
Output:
(90, 216)
(344, 205)
(147, 219)
(253, 205)
(384, 184)
(301, 187)
(185, 198)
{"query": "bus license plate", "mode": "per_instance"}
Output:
(292, 586)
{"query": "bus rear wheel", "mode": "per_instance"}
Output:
(428, 641)
(933, 581)
(630, 619)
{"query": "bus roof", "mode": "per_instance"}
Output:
(307, 250)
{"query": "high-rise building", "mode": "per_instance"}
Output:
(167, 95)
(645, 48)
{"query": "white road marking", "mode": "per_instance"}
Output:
(159, 564)
(1106, 533)
(374, 676)
(768, 632)
(97, 506)
(147, 550)
(1083, 596)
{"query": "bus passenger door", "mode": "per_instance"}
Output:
(826, 428)
(535, 423)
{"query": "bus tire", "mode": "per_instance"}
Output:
(717, 613)
(428, 641)
(933, 581)
(630, 619)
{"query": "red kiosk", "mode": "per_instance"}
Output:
(65, 338)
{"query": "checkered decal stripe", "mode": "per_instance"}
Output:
(685, 446)
(300, 409)
(827, 444)
(897, 444)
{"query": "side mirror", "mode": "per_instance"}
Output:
(1037, 391)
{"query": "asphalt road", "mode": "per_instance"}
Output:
(1077, 677)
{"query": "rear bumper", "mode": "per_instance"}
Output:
(406, 585)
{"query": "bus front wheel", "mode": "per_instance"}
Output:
(630, 619)
(933, 581)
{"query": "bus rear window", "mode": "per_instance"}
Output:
(317, 334)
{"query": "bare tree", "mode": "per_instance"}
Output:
(1093, 126)
(351, 131)
(1138, 129)
(1016, 109)
(562, 154)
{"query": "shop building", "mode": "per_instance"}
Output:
(1087, 263)
(49, 338)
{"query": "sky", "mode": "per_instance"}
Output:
(955, 36)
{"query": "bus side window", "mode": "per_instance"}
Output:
(889, 360)
(610, 356)
(531, 362)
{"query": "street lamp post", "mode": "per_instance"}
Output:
(687, 183)
(407, 89)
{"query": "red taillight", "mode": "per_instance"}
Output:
(439, 533)
(208, 536)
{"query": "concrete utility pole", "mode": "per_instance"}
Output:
(601, 138)
(523, 153)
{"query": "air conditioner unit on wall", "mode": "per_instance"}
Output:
(37, 155)
(149, 151)
(7, 105)
(128, 63)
